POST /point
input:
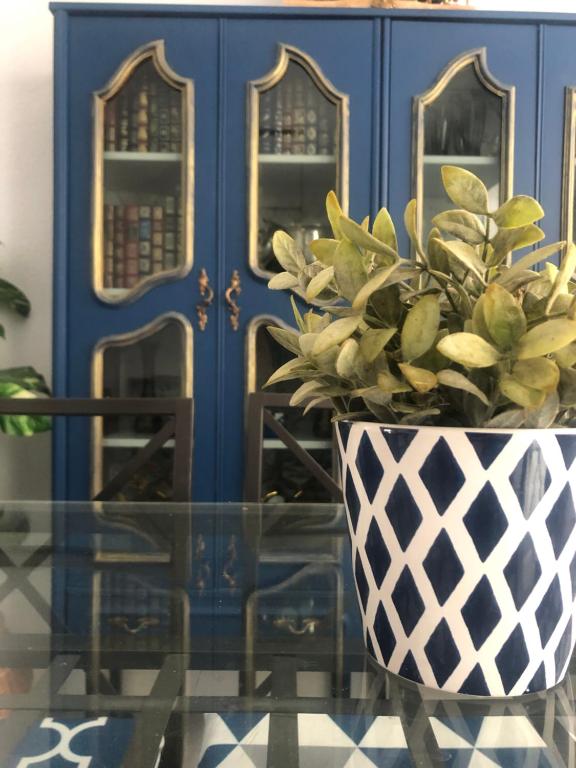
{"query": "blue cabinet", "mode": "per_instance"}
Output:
(368, 64)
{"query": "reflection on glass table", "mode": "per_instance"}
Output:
(221, 635)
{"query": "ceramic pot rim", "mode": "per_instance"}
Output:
(368, 425)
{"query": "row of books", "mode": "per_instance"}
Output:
(140, 240)
(146, 116)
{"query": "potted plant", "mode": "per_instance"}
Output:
(453, 379)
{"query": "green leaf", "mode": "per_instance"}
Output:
(517, 280)
(520, 394)
(419, 379)
(319, 283)
(13, 298)
(437, 256)
(530, 260)
(284, 337)
(373, 342)
(465, 189)
(566, 356)
(290, 370)
(297, 315)
(334, 214)
(504, 317)
(349, 270)
(2, 332)
(337, 332)
(465, 255)
(506, 240)
(287, 252)
(282, 281)
(537, 373)
(347, 360)
(546, 338)
(420, 328)
(363, 239)
(377, 281)
(387, 382)
(384, 230)
(518, 211)
(479, 325)
(567, 387)
(510, 419)
(461, 224)
(372, 395)
(324, 250)
(410, 223)
(25, 377)
(469, 350)
(545, 416)
(456, 380)
(564, 274)
(20, 424)
(307, 341)
(306, 390)
(314, 323)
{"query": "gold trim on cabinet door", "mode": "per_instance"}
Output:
(126, 340)
(507, 93)
(568, 170)
(251, 351)
(286, 54)
(154, 51)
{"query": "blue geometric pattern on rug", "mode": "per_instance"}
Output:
(100, 742)
(430, 508)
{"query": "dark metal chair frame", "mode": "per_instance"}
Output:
(258, 415)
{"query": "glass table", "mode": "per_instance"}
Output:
(221, 635)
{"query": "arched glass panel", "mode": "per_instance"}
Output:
(465, 119)
(298, 152)
(143, 202)
(153, 361)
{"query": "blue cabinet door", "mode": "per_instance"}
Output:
(97, 46)
(420, 52)
(559, 74)
(348, 53)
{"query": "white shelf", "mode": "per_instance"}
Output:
(297, 159)
(143, 157)
(461, 160)
(308, 445)
(116, 293)
(131, 441)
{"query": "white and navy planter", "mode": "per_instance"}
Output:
(464, 552)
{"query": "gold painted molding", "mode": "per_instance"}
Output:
(154, 52)
(567, 224)
(127, 340)
(286, 54)
(251, 350)
(507, 93)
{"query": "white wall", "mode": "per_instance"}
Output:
(26, 206)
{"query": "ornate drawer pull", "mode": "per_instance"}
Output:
(234, 287)
(207, 292)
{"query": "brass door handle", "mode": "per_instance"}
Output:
(137, 625)
(235, 287)
(207, 297)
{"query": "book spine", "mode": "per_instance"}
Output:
(153, 117)
(123, 124)
(110, 126)
(144, 240)
(131, 246)
(163, 122)
(175, 122)
(157, 239)
(142, 130)
(119, 246)
(170, 227)
(108, 246)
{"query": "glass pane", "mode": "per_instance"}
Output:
(462, 126)
(299, 146)
(143, 227)
(153, 366)
(284, 478)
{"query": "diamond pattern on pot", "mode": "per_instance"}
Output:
(487, 446)
(563, 649)
(352, 500)
(442, 652)
(512, 659)
(481, 612)
(549, 612)
(523, 571)
(403, 512)
(361, 581)
(384, 634)
(442, 486)
(486, 521)
(530, 479)
(407, 601)
(410, 669)
(443, 567)
(398, 440)
(567, 445)
(369, 466)
(377, 553)
(561, 520)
